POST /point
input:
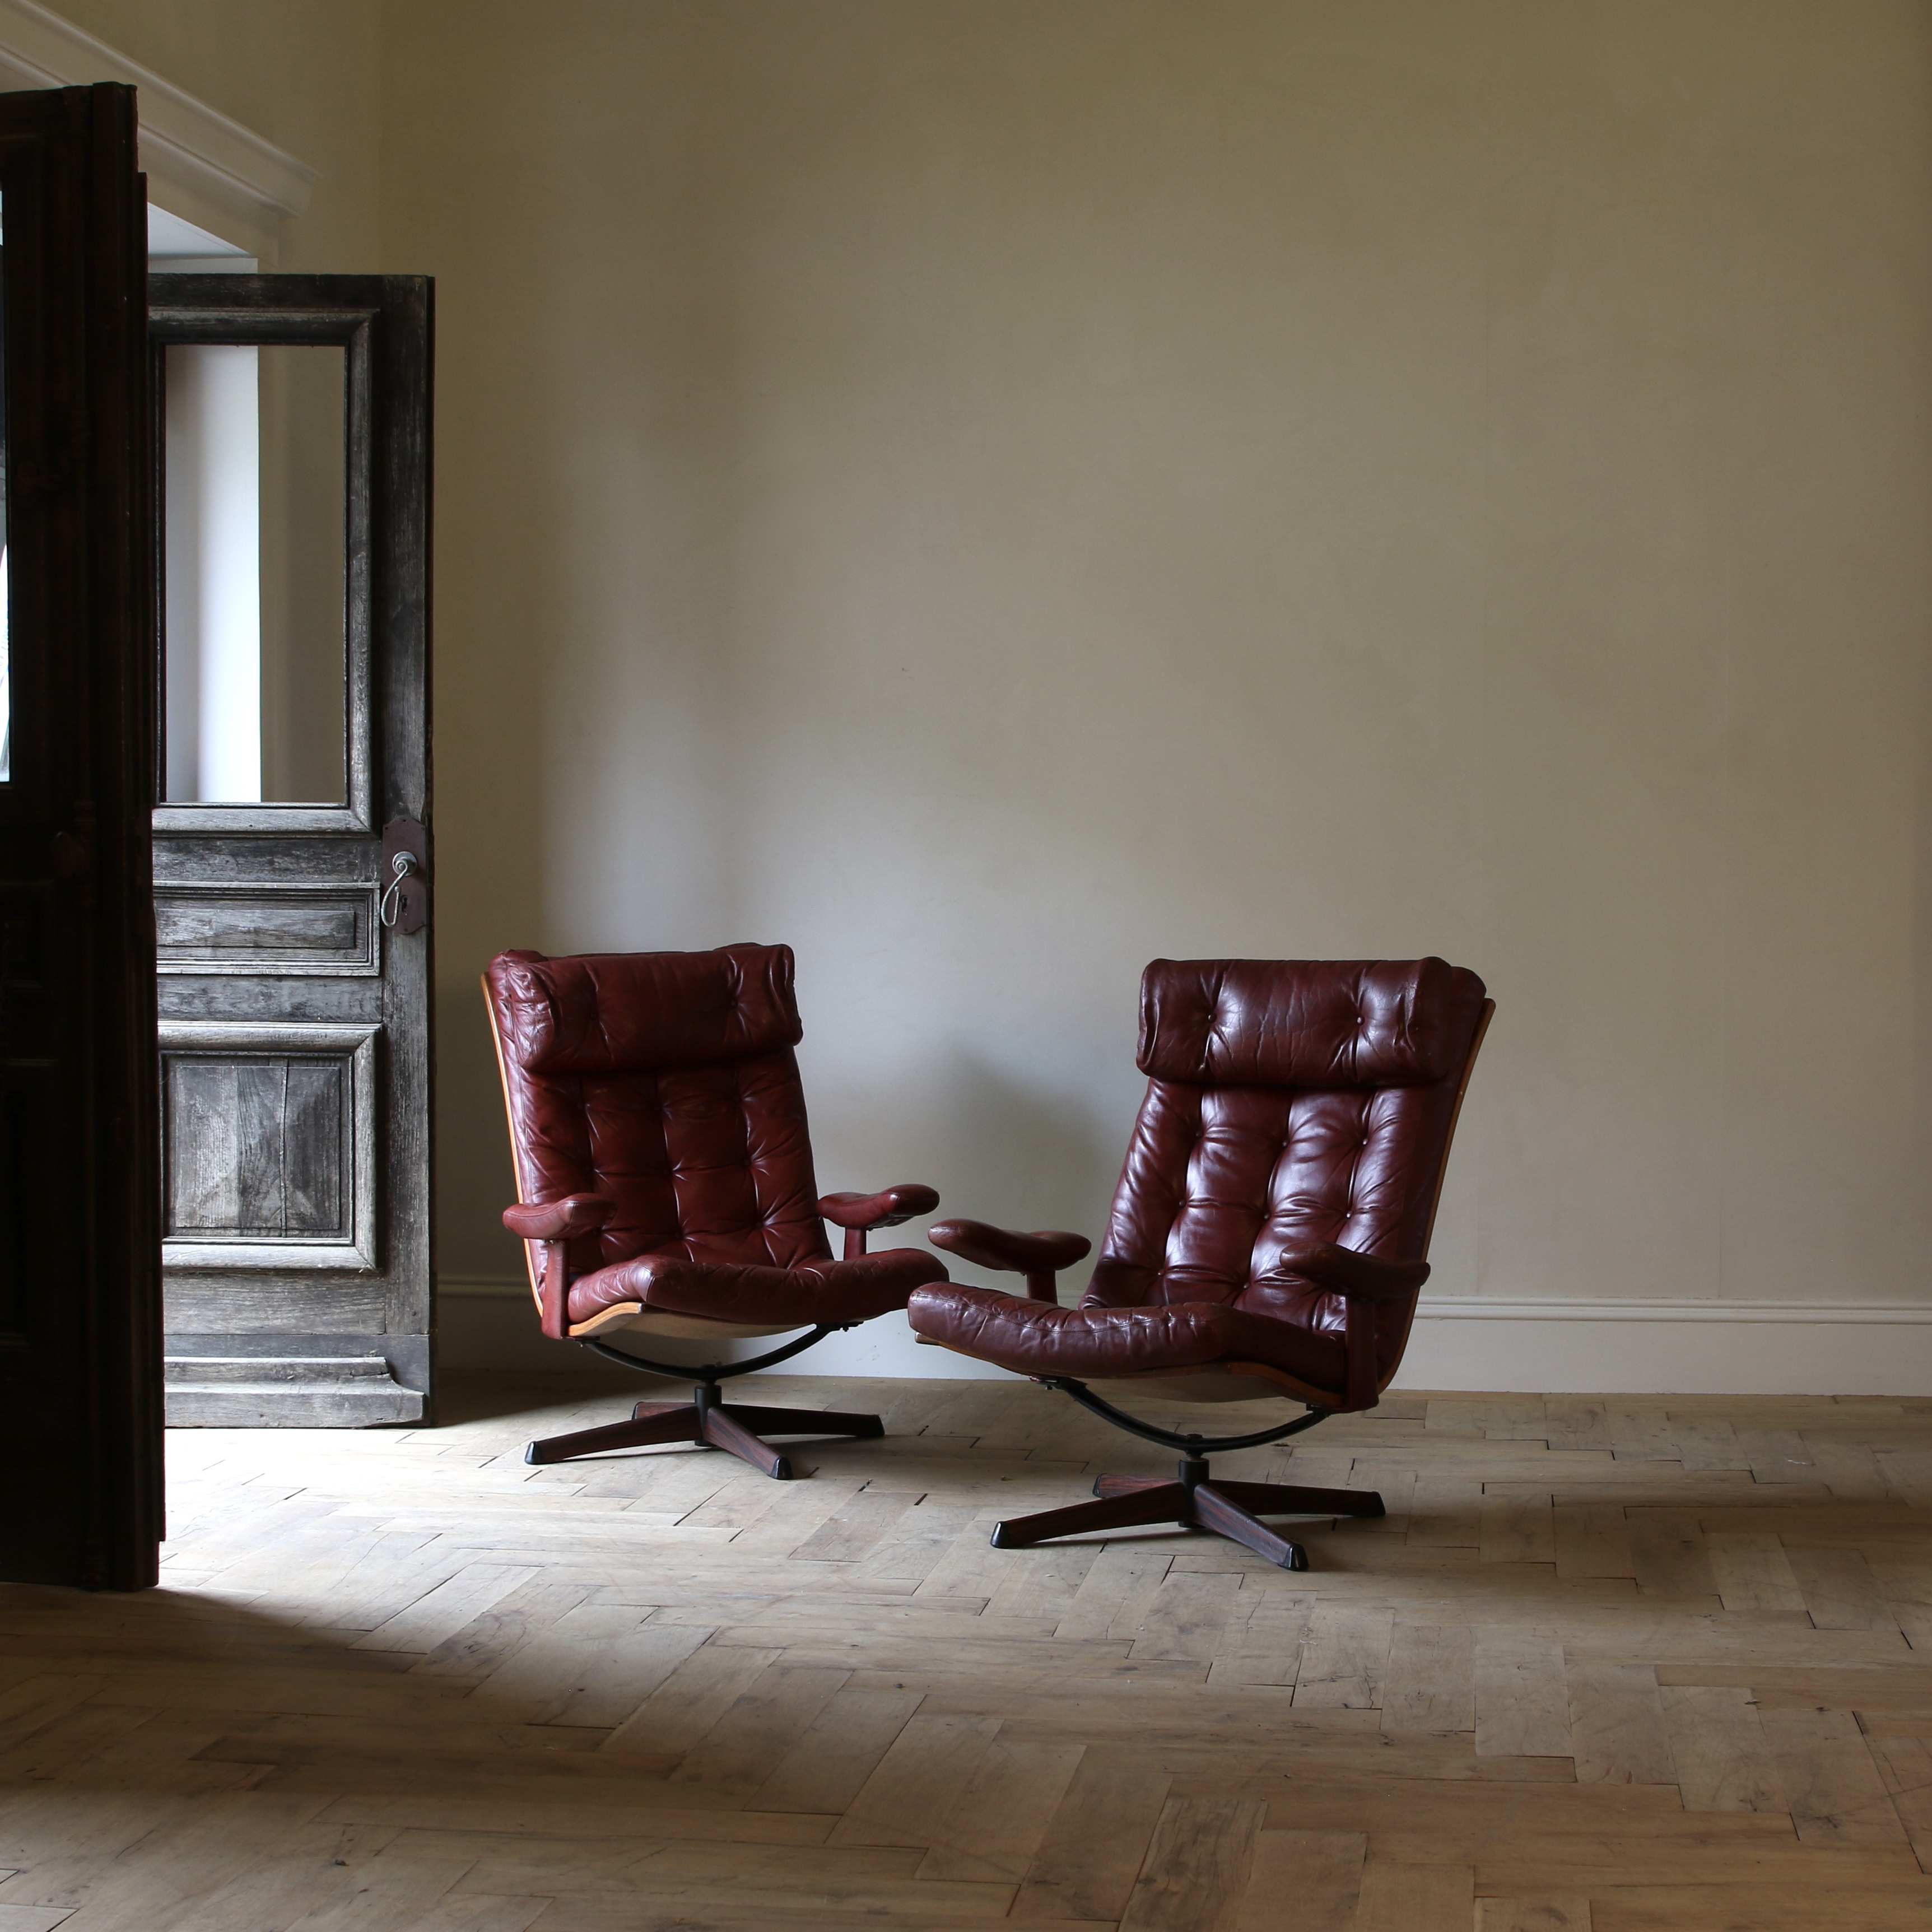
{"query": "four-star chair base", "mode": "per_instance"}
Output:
(1229, 1509)
(709, 1419)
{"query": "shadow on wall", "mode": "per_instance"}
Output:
(474, 1180)
(1021, 1154)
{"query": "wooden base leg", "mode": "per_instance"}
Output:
(1230, 1509)
(667, 1422)
(731, 1426)
(804, 1421)
(721, 1428)
(1164, 1502)
(1209, 1509)
(1128, 1486)
(1292, 1499)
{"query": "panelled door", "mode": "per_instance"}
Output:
(80, 1440)
(291, 860)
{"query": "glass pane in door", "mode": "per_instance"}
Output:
(254, 573)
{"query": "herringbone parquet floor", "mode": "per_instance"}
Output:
(1631, 1665)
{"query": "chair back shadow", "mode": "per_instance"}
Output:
(1269, 1234)
(665, 1186)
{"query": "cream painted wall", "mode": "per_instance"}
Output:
(991, 494)
(303, 74)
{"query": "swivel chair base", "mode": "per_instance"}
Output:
(1229, 1509)
(717, 1424)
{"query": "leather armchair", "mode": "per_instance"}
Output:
(1269, 1231)
(665, 1173)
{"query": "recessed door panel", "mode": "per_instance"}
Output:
(287, 929)
(270, 1140)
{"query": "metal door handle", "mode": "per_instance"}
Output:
(403, 877)
(402, 866)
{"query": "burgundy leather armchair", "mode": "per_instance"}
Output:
(664, 1173)
(1269, 1234)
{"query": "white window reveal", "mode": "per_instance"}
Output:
(213, 573)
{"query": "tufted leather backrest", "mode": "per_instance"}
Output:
(666, 1081)
(1290, 1101)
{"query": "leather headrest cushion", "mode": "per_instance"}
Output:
(623, 1013)
(1315, 1023)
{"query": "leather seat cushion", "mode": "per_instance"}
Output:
(1038, 1338)
(816, 1291)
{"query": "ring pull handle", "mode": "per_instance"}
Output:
(403, 875)
(401, 866)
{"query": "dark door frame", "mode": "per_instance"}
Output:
(80, 1350)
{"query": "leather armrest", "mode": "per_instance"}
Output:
(553, 1224)
(886, 1209)
(1348, 1273)
(560, 1220)
(1039, 1256)
(1003, 1249)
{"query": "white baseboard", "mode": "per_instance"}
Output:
(1671, 1348)
(1552, 1347)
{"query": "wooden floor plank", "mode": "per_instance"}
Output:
(1545, 1912)
(1832, 1787)
(1522, 1701)
(993, 1830)
(1196, 1872)
(1616, 1723)
(1344, 1659)
(1718, 1747)
(828, 1766)
(1262, 1643)
(1400, 1897)
(1094, 1844)
(1670, 1557)
(1752, 1572)
(1311, 1880)
(753, 1737)
(1430, 1687)
(690, 1699)
(929, 1763)
(1591, 1539)
(1837, 1587)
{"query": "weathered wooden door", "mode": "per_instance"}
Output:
(291, 853)
(80, 1442)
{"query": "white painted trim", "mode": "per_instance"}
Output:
(1500, 1309)
(1557, 1347)
(1671, 1347)
(491, 1287)
(200, 164)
